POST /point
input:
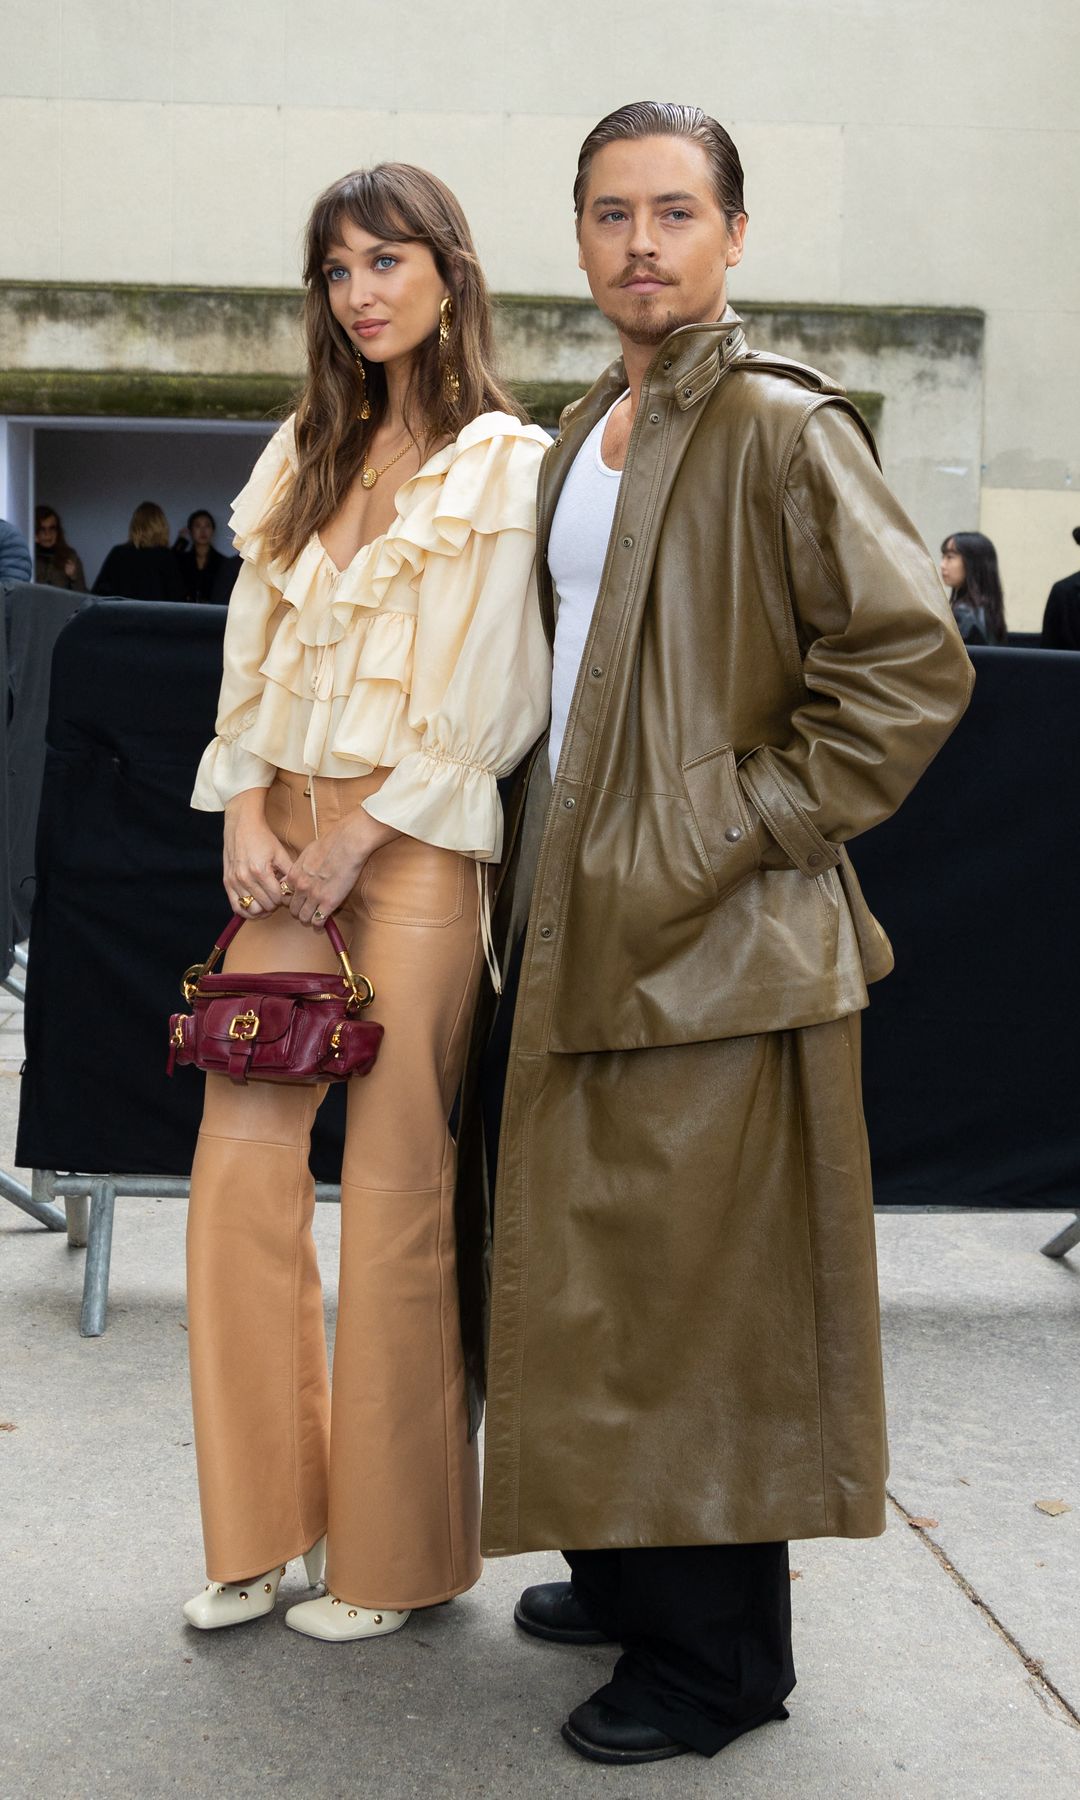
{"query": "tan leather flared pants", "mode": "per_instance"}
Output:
(385, 1468)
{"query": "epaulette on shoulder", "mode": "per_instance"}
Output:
(569, 411)
(766, 363)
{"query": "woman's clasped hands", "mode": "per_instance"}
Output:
(261, 874)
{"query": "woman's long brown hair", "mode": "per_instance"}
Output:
(395, 202)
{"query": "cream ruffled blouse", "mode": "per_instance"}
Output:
(426, 655)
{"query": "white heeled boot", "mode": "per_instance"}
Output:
(336, 1622)
(235, 1602)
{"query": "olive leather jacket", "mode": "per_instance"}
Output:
(772, 664)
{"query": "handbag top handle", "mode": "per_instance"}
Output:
(361, 992)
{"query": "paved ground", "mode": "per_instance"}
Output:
(942, 1660)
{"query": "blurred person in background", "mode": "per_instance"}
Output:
(15, 563)
(56, 564)
(144, 568)
(969, 569)
(199, 563)
(225, 580)
(1061, 620)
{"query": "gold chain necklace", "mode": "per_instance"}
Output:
(369, 476)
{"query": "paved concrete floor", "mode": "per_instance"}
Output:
(938, 1661)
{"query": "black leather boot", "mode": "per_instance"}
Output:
(553, 1611)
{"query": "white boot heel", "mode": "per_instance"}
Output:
(336, 1622)
(315, 1562)
(233, 1602)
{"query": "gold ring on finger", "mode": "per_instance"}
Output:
(286, 890)
(318, 913)
(245, 900)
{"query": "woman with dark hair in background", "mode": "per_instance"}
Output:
(969, 567)
(56, 564)
(1061, 620)
(385, 664)
(144, 568)
(199, 563)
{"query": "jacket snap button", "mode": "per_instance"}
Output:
(814, 860)
(687, 393)
(667, 362)
(545, 931)
(627, 543)
(596, 671)
(654, 418)
(733, 834)
(569, 805)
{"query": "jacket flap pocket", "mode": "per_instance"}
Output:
(728, 839)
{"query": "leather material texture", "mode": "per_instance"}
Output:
(384, 1465)
(277, 1027)
(684, 1341)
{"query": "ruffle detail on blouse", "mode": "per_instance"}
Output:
(482, 482)
(444, 801)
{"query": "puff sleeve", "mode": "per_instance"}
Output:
(481, 683)
(227, 767)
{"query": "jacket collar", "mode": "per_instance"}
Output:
(686, 367)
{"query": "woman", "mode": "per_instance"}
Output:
(969, 566)
(56, 564)
(384, 664)
(144, 568)
(199, 563)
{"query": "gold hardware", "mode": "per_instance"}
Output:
(243, 1596)
(369, 476)
(245, 900)
(352, 1612)
(365, 403)
(177, 1039)
(377, 1618)
(244, 1028)
(335, 1039)
(450, 376)
(268, 1587)
(190, 980)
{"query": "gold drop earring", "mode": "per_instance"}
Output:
(450, 377)
(365, 403)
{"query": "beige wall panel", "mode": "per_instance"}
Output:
(364, 58)
(961, 218)
(229, 52)
(227, 196)
(1032, 532)
(1032, 427)
(115, 198)
(119, 50)
(535, 250)
(30, 49)
(30, 190)
(795, 198)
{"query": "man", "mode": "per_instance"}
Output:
(15, 564)
(753, 662)
(1061, 620)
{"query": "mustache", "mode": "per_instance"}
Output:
(635, 270)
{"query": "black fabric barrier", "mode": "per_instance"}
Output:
(970, 1062)
(969, 1059)
(128, 893)
(35, 617)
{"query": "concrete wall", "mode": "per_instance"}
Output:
(898, 153)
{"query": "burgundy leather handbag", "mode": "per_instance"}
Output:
(275, 1027)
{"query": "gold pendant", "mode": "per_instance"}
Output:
(368, 478)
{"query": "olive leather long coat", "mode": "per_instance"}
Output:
(684, 1339)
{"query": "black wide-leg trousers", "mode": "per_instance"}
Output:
(706, 1635)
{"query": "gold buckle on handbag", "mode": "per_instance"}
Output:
(244, 1028)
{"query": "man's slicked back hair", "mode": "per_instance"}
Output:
(665, 118)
